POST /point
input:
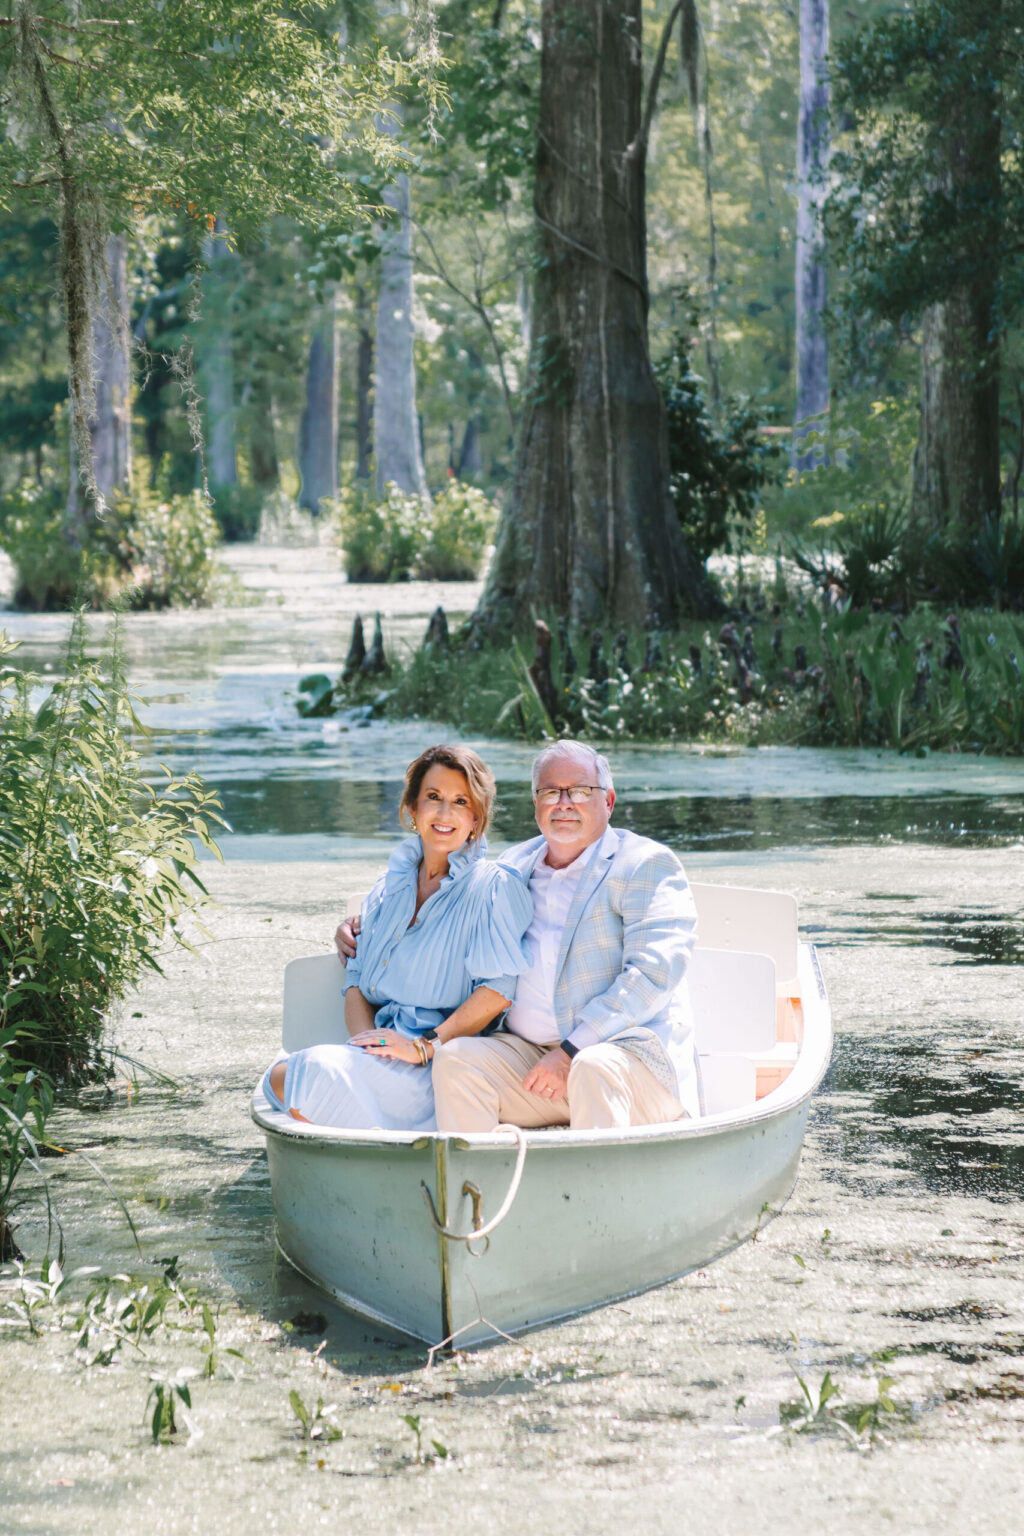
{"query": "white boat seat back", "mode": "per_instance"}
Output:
(733, 999)
(738, 918)
(729, 1082)
(314, 1002)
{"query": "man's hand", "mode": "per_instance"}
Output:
(549, 1077)
(345, 937)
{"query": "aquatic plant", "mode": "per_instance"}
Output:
(816, 674)
(98, 865)
(827, 1409)
(152, 549)
(401, 535)
(165, 1393)
(440, 1452)
(314, 1423)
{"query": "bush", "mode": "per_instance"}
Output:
(237, 509)
(461, 525)
(168, 546)
(405, 536)
(97, 868)
(716, 475)
(48, 571)
(158, 551)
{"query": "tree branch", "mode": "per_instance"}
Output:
(638, 147)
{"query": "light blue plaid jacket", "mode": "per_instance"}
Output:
(621, 971)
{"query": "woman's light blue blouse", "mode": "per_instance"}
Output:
(468, 934)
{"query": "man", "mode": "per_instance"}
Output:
(600, 1032)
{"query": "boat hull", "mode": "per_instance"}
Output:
(590, 1223)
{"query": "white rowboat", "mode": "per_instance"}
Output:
(384, 1221)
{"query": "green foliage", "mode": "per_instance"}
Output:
(166, 1393)
(406, 536)
(838, 677)
(152, 551)
(923, 202)
(867, 449)
(460, 524)
(48, 569)
(438, 1453)
(26, 1098)
(98, 866)
(716, 474)
(873, 555)
(379, 539)
(314, 1422)
(829, 1411)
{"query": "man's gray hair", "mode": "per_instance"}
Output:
(596, 764)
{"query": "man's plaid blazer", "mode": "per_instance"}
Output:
(621, 971)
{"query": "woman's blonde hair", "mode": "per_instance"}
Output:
(478, 777)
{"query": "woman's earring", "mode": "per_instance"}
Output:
(413, 820)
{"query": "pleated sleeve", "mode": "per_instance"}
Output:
(498, 950)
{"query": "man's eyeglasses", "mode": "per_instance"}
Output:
(576, 794)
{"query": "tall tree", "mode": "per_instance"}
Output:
(930, 210)
(588, 529)
(280, 94)
(216, 361)
(110, 434)
(318, 430)
(812, 385)
(396, 432)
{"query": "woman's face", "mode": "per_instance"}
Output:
(444, 811)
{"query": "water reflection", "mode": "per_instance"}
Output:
(926, 1112)
(293, 802)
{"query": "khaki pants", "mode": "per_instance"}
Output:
(478, 1084)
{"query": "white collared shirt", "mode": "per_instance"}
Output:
(532, 1014)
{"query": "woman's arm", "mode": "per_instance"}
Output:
(469, 1018)
(472, 1016)
(358, 1012)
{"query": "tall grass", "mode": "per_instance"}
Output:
(97, 875)
(97, 866)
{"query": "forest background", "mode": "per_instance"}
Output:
(302, 258)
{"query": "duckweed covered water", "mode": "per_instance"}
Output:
(900, 1254)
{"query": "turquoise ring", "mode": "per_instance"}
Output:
(383, 1040)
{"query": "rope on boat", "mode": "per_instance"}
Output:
(469, 1238)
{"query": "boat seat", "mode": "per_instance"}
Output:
(739, 918)
(314, 1002)
(732, 995)
(727, 1082)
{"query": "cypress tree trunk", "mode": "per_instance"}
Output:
(588, 530)
(266, 468)
(110, 427)
(812, 394)
(217, 363)
(396, 431)
(364, 386)
(956, 461)
(318, 430)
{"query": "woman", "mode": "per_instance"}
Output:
(439, 950)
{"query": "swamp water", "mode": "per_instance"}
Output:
(897, 1263)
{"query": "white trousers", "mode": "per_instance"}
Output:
(478, 1084)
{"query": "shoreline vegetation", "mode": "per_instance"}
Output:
(803, 672)
(97, 876)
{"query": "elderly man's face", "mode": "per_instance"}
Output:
(570, 827)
